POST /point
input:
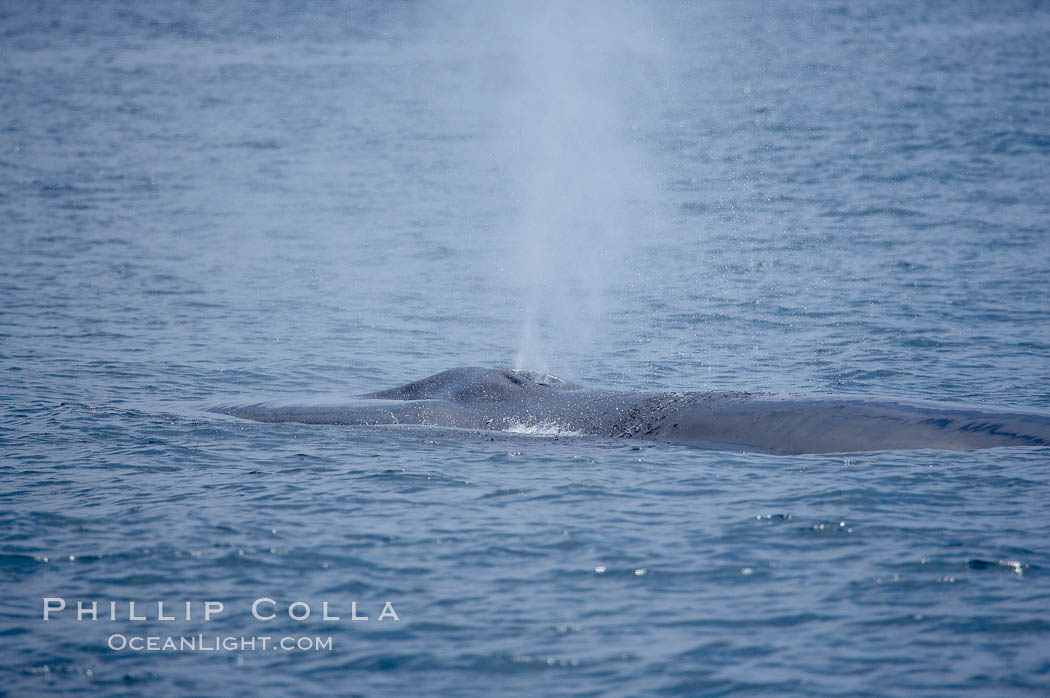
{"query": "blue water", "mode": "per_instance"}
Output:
(229, 201)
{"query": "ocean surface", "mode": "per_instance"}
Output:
(204, 203)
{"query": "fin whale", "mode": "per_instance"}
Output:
(509, 399)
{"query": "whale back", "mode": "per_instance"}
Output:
(472, 384)
(508, 399)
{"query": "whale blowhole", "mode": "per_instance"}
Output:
(540, 378)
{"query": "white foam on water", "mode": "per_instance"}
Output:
(541, 429)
